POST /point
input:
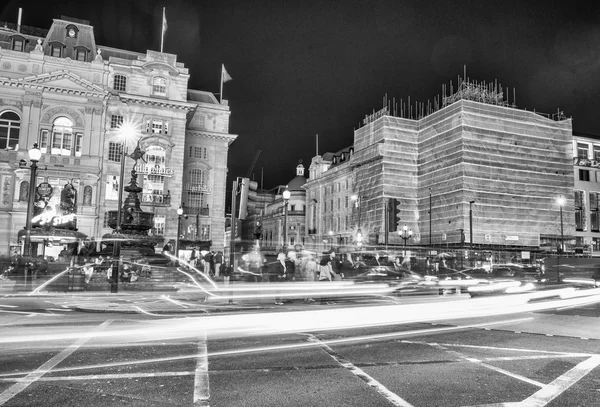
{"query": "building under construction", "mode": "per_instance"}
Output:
(470, 167)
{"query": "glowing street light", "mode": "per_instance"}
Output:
(35, 154)
(286, 198)
(405, 234)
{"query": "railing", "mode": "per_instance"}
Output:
(164, 199)
(202, 211)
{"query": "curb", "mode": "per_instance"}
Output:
(170, 311)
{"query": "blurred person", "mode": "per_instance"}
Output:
(218, 262)
(290, 266)
(347, 265)
(307, 270)
(336, 265)
(7, 271)
(226, 272)
(398, 263)
(326, 274)
(193, 258)
(280, 274)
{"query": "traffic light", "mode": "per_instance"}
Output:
(393, 214)
(247, 197)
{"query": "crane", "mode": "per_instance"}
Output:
(253, 164)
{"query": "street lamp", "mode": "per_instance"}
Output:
(286, 198)
(561, 202)
(331, 238)
(34, 156)
(405, 234)
(471, 224)
(179, 215)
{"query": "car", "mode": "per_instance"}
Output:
(401, 280)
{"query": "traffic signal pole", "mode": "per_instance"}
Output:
(232, 228)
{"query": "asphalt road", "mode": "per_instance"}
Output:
(54, 356)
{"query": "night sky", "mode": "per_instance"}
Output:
(302, 68)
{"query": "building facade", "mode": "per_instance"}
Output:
(475, 170)
(75, 99)
(586, 173)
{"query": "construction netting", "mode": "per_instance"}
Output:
(493, 170)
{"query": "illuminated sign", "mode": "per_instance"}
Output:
(155, 170)
(50, 218)
(511, 237)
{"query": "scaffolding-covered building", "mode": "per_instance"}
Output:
(469, 168)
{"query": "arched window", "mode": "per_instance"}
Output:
(10, 125)
(62, 136)
(159, 86)
(120, 83)
(196, 176)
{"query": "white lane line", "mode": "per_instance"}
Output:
(559, 385)
(379, 388)
(548, 352)
(103, 377)
(201, 383)
(28, 313)
(32, 377)
(483, 364)
(9, 306)
(166, 297)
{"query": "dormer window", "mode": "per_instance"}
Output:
(18, 43)
(80, 53)
(56, 49)
(159, 86)
(72, 31)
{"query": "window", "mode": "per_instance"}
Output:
(198, 152)
(346, 201)
(18, 44)
(62, 136)
(582, 150)
(159, 86)
(44, 137)
(205, 232)
(196, 176)
(594, 209)
(339, 203)
(120, 83)
(56, 50)
(159, 225)
(584, 175)
(579, 210)
(78, 144)
(292, 208)
(114, 152)
(157, 126)
(10, 127)
(105, 220)
(112, 187)
(116, 120)
(81, 54)
(597, 153)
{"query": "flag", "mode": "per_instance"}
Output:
(164, 23)
(164, 30)
(225, 75)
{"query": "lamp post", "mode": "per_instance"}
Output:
(34, 156)
(330, 238)
(561, 202)
(286, 198)
(429, 218)
(405, 234)
(179, 215)
(358, 203)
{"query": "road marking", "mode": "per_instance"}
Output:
(9, 306)
(166, 297)
(559, 385)
(28, 313)
(483, 364)
(103, 377)
(201, 382)
(361, 374)
(32, 377)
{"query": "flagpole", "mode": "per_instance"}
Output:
(222, 74)
(162, 31)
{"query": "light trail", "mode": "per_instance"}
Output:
(274, 348)
(311, 320)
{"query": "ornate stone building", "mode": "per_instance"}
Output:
(59, 89)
